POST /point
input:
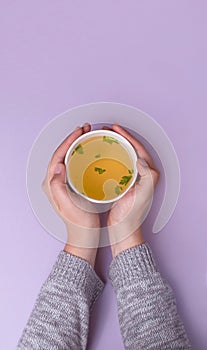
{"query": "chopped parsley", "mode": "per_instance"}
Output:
(78, 149)
(110, 139)
(100, 170)
(98, 156)
(118, 189)
(125, 180)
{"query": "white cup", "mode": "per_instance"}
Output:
(123, 142)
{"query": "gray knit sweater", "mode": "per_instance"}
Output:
(146, 306)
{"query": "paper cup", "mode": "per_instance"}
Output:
(111, 140)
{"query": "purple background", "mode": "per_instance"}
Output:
(59, 54)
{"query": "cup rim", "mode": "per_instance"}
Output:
(124, 142)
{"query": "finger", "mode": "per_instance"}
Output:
(86, 127)
(59, 154)
(105, 127)
(141, 150)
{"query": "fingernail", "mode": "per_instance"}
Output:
(78, 127)
(86, 124)
(58, 169)
(143, 162)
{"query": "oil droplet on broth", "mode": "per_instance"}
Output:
(101, 184)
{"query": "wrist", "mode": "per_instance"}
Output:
(134, 239)
(82, 236)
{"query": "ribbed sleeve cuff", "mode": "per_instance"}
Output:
(77, 273)
(131, 264)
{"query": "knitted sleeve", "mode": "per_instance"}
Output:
(60, 317)
(147, 310)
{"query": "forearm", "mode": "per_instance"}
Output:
(60, 318)
(146, 305)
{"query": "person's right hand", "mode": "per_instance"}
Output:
(126, 215)
(81, 220)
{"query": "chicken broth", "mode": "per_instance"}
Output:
(100, 168)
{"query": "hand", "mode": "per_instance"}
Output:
(82, 223)
(126, 216)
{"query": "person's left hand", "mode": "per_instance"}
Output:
(82, 223)
(126, 215)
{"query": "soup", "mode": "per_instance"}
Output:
(100, 168)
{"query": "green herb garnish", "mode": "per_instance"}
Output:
(98, 156)
(78, 149)
(118, 189)
(125, 180)
(100, 170)
(131, 171)
(110, 139)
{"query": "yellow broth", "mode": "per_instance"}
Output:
(100, 168)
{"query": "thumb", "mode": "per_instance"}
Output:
(60, 169)
(145, 179)
(58, 185)
(59, 176)
(62, 195)
(143, 167)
